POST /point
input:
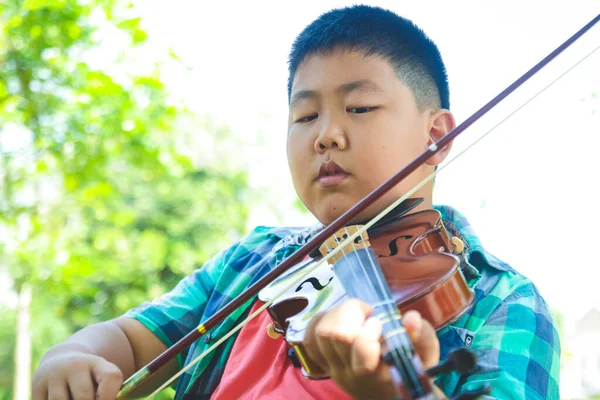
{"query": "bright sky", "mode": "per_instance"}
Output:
(529, 189)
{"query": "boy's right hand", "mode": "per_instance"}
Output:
(78, 368)
(78, 376)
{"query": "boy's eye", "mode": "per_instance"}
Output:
(361, 110)
(307, 119)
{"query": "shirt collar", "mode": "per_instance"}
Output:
(474, 253)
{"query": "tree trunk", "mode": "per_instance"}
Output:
(22, 384)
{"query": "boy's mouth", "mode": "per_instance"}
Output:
(331, 174)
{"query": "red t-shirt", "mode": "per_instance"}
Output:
(259, 368)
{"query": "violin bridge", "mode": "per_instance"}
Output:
(359, 242)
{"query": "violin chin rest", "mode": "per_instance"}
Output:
(462, 361)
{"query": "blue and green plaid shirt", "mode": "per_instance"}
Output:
(510, 327)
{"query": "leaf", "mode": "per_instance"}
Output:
(71, 183)
(132, 26)
(3, 90)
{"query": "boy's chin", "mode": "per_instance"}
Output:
(327, 217)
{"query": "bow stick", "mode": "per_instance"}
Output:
(143, 374)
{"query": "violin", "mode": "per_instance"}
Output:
(368, 271)
(413, 254)
(416, 256)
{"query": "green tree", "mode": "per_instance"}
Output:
(100, 207)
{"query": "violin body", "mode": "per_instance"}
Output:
(414, 253)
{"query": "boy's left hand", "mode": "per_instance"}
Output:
(346, 343)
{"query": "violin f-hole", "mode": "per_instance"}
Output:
(316, 284)
(393, 247)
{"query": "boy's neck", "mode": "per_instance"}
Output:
(426, 193)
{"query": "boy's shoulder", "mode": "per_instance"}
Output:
(510, 326)
(483, 270)
(501, 291)
(262, 244)
(278, 236)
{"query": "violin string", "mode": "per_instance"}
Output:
(400, 360)
(400, 356)
(367, 226)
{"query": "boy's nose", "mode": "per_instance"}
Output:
(331, 138)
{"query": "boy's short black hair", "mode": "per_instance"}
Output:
(379, 32)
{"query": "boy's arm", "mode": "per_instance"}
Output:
(106, 353)
(145, 347)
(112, 351)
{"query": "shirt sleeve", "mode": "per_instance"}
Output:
(518, 349)
(173, 315)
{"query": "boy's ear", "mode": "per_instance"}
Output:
(441, 123)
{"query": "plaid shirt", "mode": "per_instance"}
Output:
(510, 327)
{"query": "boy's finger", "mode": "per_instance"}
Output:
(81, 385)
(412, 321)
(310, 341)
(39, 392)
(423, 337)
(331, 337)
(109, 379)
(346, 323)
(366, 348)
(58, 390)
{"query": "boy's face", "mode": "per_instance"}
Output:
(352, 125)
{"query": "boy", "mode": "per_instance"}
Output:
(368, 92)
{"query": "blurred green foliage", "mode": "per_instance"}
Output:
(100, 207)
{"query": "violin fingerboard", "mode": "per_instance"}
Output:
(361, 276)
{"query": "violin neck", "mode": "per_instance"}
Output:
(360, 274)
